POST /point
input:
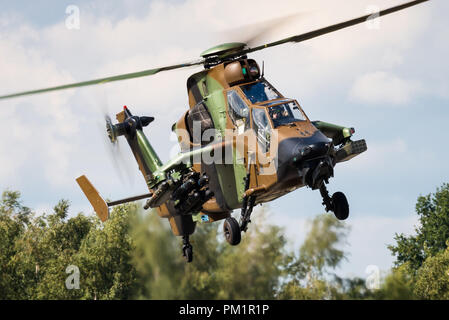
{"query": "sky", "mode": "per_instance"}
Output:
(388, 79)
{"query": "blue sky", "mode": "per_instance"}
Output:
(389, 83)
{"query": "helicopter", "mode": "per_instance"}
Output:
(242, 143)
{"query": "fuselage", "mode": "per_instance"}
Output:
(268, 133)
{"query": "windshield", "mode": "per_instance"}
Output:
(285, 113)
(260, 91)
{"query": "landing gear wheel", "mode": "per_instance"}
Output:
(187, 252)
(340, 205)
(232, 231)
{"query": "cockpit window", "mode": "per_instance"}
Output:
(260, 91)
(275, 102)
(261, 126)
(285, 113)
(238, 111)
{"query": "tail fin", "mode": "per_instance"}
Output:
(132, 128)
(100, 206)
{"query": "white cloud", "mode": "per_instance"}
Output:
(295, 226)
(368, 241)
(391, 58)
(383, 88)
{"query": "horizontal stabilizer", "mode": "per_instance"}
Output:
(100, 206)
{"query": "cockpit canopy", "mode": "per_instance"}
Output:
(284, 112)
(267, 108)
(260, 91)
(261, 94)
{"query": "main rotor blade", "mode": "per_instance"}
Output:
(125, 76)
(253, 34)
(335, 27)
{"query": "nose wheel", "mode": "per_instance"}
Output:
(338, 203)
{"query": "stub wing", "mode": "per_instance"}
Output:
(341, 136)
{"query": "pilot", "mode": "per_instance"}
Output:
(275, 113)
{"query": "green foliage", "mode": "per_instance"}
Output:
(351, 289)
(423, 258)
(14, 218)
(37, 250)
(398, 285)
(433, 277)
(156, 259)
(320, 249)
(318, 255)
(432, 233)
(135, 256)
(249, 271)
(316, 289)
(132, 255)
(252, 269)
(104, 258)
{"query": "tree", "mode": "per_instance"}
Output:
(319, 254)
(132, 255)
(105, 257)
(156, 257)
(219, 271)
(423, 258)
(36, 252)
(135, 255)
(253, 269)
(14, 218)
(431, 234)
(397, 285)
(433, 277)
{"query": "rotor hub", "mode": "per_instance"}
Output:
(223, 52)
(110, 129)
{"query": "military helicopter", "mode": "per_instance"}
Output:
(242, 143)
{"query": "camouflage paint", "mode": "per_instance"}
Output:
(149, 155)
(210, 86)
(337, 133)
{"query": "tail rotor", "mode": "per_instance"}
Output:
(115, 152)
